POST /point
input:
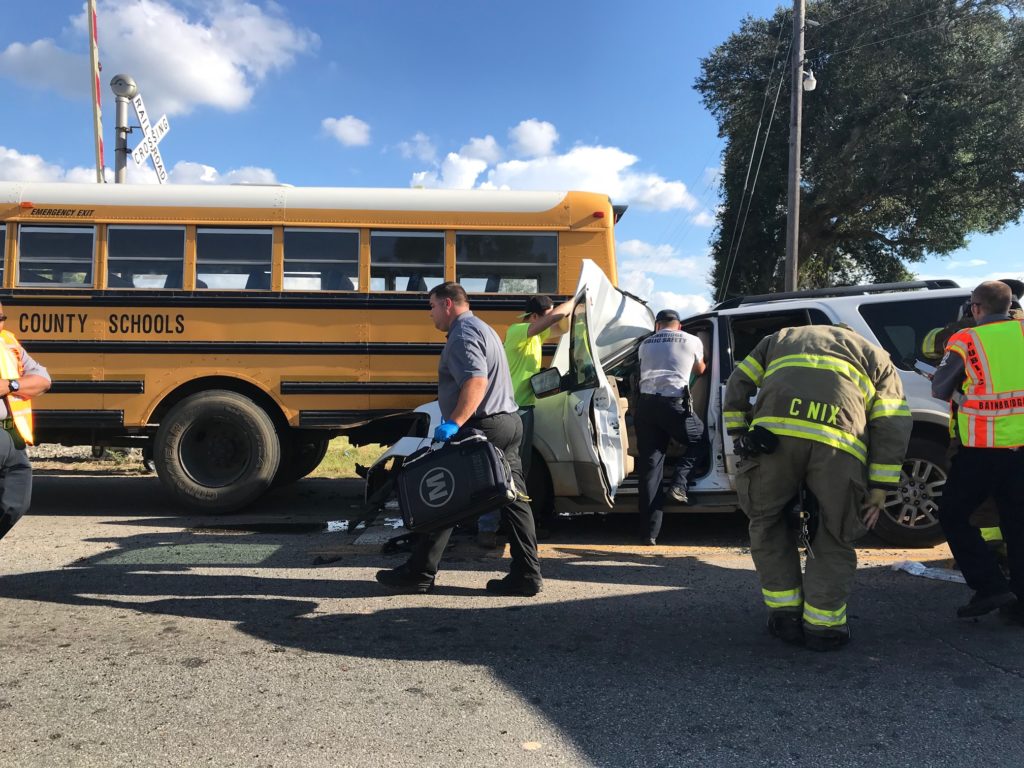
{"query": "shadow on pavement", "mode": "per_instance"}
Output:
(668, 664)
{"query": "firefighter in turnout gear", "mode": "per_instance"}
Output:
(833, 403)
(982, 372)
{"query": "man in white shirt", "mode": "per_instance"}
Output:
(668, 358)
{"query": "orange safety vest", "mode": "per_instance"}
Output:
(990, 412)
(11, 367)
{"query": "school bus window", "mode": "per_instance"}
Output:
(507, 262)
(145, 257)
(233, 258)
(55, 256)
(321, 259)
(406, 261)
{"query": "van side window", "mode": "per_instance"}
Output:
(507, 262)
(321, 259)
(55, 257)
(748, 330)
(902, 326)
(233, 258)
(406, 261)
(145, 257)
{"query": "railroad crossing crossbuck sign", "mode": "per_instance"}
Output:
(151, 136)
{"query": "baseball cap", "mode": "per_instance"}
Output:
(667, 316)
(538, 305)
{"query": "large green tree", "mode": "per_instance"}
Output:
(913, 139)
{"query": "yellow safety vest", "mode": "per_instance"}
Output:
(991, 412)
(12, 368)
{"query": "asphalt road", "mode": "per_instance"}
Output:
(132, 636)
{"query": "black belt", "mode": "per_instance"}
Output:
(666, 397)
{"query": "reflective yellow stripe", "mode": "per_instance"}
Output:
(826, 363)
(819, 432)
(787, 598)
(753, 369)
(991, 534)
(822, 618)
(884, 473)
(888, 407)
(734, 419)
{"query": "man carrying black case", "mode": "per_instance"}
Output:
(474, 391)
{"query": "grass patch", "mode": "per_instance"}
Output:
(342, 457)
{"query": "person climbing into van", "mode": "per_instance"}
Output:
(668, 359)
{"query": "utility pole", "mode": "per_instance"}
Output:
(125, 90)
(796, 107)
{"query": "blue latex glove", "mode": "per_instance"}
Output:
(445, 431)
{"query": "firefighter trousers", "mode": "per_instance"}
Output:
(765, 485)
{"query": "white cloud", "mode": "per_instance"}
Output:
(640, 284)
(969, 281)
(485, 149)
(212, 54)
(43, 64)
(596, 169)
(15, 166)
(185, 172)
(968, 263)
(638, 256)
(349, 130)
(456, 172)
(590, 168)
(704, 219)
(420, 147)
(533, 138)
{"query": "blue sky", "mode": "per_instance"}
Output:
(525, 95)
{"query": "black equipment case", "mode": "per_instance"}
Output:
(439, 487)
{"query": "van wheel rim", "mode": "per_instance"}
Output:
(915, 503)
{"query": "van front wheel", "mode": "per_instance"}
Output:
(910, 517)
(216, 451)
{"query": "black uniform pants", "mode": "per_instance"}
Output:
(974, 473)
(15, 483)
(657, 420)
(505, 432)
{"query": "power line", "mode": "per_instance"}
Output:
(753, 151)
(731, 261)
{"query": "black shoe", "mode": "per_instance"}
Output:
(513, 586)
(787, 626)
(650, 542)
(982, 603)
(829, 640)
(678, 493)
(400, 580)
(1012, 613)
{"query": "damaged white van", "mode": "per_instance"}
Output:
(582, 441)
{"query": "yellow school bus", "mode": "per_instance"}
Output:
(231, 331)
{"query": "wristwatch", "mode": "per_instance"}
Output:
(13, 385)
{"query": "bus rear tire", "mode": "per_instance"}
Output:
(216, 451)
(301, 453)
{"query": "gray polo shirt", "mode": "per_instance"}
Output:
(474, 349)
(666, 362)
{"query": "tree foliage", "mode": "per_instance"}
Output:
(913, 139)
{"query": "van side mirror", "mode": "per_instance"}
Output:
(547, 382)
